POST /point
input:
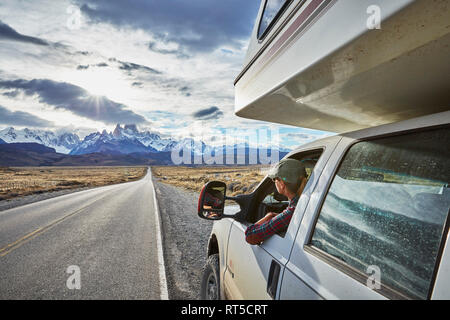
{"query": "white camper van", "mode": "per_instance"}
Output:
(372, 221)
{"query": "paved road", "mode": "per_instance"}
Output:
(185, 240)
(109, 233)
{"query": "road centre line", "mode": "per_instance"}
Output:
(18, 243)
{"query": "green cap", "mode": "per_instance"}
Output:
(288, 170)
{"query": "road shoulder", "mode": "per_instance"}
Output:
(185, 237)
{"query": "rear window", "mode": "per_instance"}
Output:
(387, 207)
(273, 9)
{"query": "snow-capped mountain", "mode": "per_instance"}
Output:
(123, 141)
(62, 143)
(128, 140)
(147, 138)
(109, 143)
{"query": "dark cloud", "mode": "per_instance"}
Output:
(83, 53)
(137, 84)
(208, 113)
(153, 46)
(87, 66)
(198, 26)
(128, 67)
(69, 97)
(185, 91)
(11, 94)
(6, 32)
(20, 118)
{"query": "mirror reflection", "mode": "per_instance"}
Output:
(213, 202)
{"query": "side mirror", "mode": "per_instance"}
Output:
(211, 202)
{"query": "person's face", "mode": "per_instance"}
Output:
(280, 185)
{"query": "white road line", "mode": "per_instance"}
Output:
(162, 268)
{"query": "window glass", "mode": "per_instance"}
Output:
(387, 207)
(271, 10)
(274, 198)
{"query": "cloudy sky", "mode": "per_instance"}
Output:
(167, 66)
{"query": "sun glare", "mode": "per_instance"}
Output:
(101, 83)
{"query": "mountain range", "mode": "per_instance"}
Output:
(123, 141)
(62, 143)
(125, 145)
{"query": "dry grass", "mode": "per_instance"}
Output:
(239, 180)
(21, 181)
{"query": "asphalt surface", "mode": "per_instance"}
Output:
(108, 233)
(185, 239)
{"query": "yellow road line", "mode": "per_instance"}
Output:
(21, 239)
(18, 243)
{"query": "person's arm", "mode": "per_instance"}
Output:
(266, 218)
(251, 234)
(268, 226)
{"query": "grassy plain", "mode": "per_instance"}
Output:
(21, 181)
(239, 179)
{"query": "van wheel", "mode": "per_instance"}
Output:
(210, 287)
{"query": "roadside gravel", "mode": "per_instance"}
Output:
(185, 239)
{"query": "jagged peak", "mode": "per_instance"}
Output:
(131, 127)
(117, 131)
(93, 134)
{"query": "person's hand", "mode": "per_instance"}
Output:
(270, 215)
(212, 215)
(266, 218)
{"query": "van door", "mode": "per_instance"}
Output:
(254, 271)
(378, 221)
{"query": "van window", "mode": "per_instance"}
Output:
(268, 199)
(272, 11)
(387, 207)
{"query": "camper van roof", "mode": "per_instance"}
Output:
(347, 77)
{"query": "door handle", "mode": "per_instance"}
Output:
(272, 282)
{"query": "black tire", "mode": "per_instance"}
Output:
(210, 287)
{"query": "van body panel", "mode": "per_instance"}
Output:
(442, 283)
(293, 288)
(337, 79)
(304, 274)
(247, 267)
(317, 276)
(247, 278)
(320, 277)
(220, 231)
